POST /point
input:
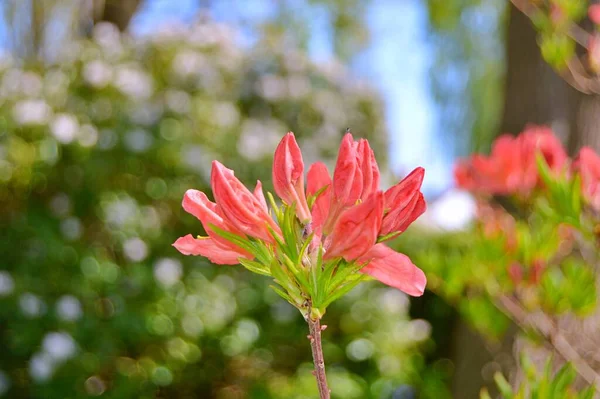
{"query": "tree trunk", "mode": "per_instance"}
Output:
(118, 12)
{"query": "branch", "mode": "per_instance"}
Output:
(553, 337)
(575, 73)
(317, 352)
(575, 32)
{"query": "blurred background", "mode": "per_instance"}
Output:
(110, 110)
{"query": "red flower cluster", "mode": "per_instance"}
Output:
(511, 167)
(348, 217)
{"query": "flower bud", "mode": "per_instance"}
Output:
(404, 203)
(288, 176)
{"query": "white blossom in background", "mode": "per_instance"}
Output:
(135, 249)
(226, 114)
(331, 107)
(178, 101)
(360, 349)
(419, 330)
(97, 73)
(31, 84)
(60, 205)
(259, 138)
(394, 301)
(120, 212)
(88, 136)
(204, 35)
(192, 325)
(71, 228)
(31, 112)
(134, 82)
(11, 82)
(298, 86)
(187, 63)
(108, 37)
(198, 159)
(60, 346)
(272, 87)
(138, 140)
(64, 128)
(31, 305)
(7, 284)
(68, 308)
(41, 367)
(167, 271)
(295, 61)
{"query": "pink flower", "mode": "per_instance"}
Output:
(351, 213)
(348, 216)
(588, 166)
(394, 269)
(288, 175)
(511, 167)
(356, 230)
(241, 207)
(404, 203)
(214, 247)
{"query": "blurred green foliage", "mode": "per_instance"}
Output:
(96, 151)
(545, 384)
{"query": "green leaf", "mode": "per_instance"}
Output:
(343, 290)
(565, 377)
(312, 198)
(283, 279)
(484, 394)
(588, 393)
(255, 267)
(282, 294)
(274, 208)
(241, 242)
(389, 236)
(503, 386)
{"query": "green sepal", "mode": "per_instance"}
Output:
(255, 267)
(312, 198)
(389, 236)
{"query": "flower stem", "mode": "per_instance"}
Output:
(317, 352)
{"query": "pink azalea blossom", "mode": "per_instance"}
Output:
(511, 167)
(348, 216)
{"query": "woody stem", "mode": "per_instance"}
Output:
(317, 352)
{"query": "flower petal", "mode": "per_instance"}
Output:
(356, 230)
(209, 248)
(240, 206)
(260, 196)
(394, 269)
